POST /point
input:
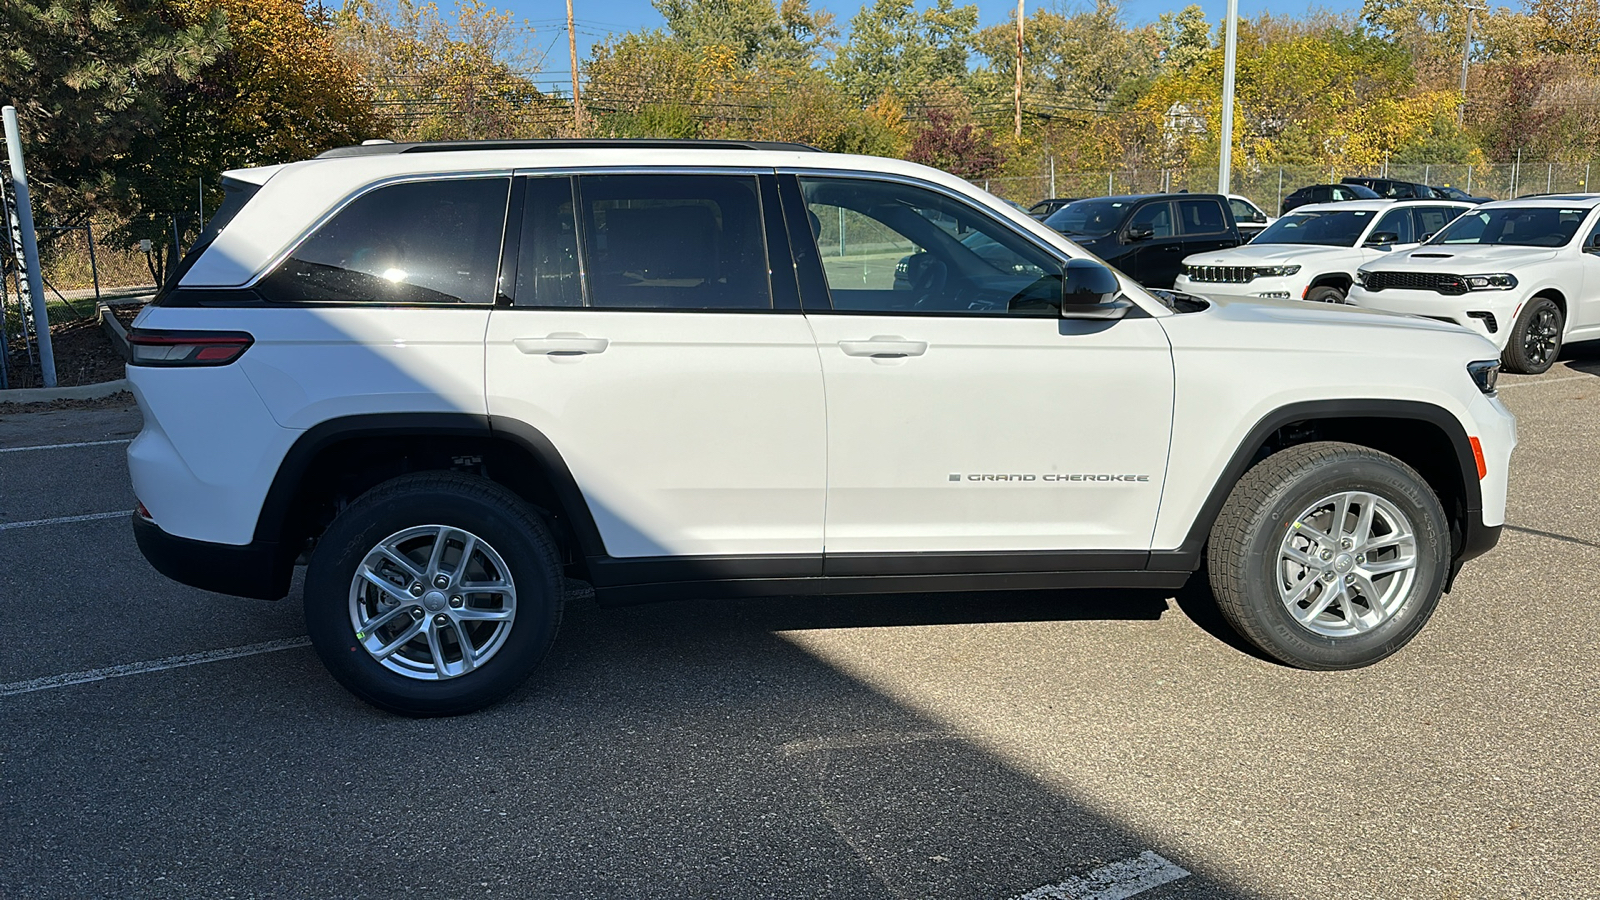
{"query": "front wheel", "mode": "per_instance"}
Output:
(1329, 555)
(1535, 340)
(433, 594)
(1325, 293)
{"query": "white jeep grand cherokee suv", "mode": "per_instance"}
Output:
(445, 376)
(1313, 252)
(1523, 273)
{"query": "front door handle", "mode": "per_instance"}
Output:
(884, 346)
(562, 343)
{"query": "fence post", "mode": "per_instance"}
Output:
(1426, 171)
(1110, 176)
(94, 267)
(1586, 175)
(1279, 207)
(1052, 175)
(30, 247)
(1469, 178)
(1549, 175)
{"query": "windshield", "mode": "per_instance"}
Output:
(1529, 226)
(1335, 228)
(1089, 217)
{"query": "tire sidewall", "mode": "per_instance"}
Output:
(1515, 357)
(377, 516)
(1406, 491)
(1325, 294)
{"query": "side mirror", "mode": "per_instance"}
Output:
(1427, 237)
(1140, 232)
(1090, 290)
(1383, 238)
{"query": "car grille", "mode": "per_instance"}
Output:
(1415, 281)
(1221, 274)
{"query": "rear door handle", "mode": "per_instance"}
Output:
(884, 346)
(562, 343)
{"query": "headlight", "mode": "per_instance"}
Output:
(1275, 271)
(1484, 374)
(1361, 277)
(1500, 281)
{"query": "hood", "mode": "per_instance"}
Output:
(1459, 258)
(1299, 314)
(1262, 254)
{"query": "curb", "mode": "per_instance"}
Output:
(114, 330)
(81, 392)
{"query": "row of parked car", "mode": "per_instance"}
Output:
(1523, 273)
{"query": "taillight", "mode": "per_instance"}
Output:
(151, 347)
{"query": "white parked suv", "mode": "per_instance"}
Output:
(1523, 273)
(1313, 252)
(445, 377)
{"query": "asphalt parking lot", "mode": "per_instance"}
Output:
(158, 741)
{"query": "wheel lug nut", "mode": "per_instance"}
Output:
(1327, 554)
(1328, 576)
(1361, 559)
(441, 619)
(1345, 543)
(416, 613)
(457, 602)
(416, 589)
(441, 581)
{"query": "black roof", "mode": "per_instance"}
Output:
(387, 148)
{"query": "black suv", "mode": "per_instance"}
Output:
(1393, 189)
(1148, 235)
(1326, 193)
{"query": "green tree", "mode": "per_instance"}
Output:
(1185, 38)
(90, 79)
(755, 30)
(895, 49)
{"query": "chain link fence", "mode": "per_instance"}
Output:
(1267, 187)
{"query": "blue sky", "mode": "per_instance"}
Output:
(597, 18)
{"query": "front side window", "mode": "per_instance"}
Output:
(415, 242)
(889, 247)
(1527, 226)
(1155, 216)
(1395, 222)
(1244, 212)
(674, 242)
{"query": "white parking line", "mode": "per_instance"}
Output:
(66, 446)
(50, 682)
(62, 520)
(1113, 881)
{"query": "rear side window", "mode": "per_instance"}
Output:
(1201, 217)
(416, 242)
(674, 242)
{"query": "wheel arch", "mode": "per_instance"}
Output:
(337, 460)
(1340, 280)
(1553, 294)
(1426, 437)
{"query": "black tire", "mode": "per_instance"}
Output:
(513, 534)
(1325, 293)
(1535, 340)
(1247, 569)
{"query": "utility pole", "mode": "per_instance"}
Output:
(577, 99)
(1229, 59)
(1466, 54)
(1019, 70)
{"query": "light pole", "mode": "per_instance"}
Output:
(1466, 54)
(1229, 58)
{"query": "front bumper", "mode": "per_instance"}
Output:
(257, 570)
(1488, 313)
(1281, 288)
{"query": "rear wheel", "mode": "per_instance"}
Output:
(1535, 341)
(433, 594)
(1329, 555)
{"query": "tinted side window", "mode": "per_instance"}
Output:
(416, 242)
(674, 242)
(547, 266)
(1324, 194)
(1431, 219)
(1201, 217)
(1396, 222)
(889, 247)
(1156, 216)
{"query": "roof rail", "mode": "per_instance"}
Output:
(387, 148)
